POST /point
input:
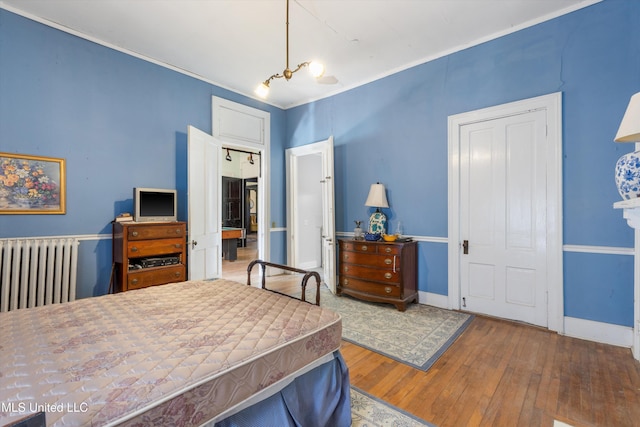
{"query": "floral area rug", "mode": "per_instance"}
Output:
(369, 411)
(416, 337)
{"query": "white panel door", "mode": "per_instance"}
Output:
(204, 205)
(503, 217)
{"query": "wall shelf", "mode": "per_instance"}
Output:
(631, 211)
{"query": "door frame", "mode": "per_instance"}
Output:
(258, 140)
(320, 147)
(294, 173)
(552, 104)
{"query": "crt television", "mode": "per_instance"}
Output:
(155, 205)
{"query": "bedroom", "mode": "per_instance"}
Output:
(120, 122)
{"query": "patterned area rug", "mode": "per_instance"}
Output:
(416, 337)
(369, 411)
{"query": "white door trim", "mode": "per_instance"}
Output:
(552, 104)
(227, 120)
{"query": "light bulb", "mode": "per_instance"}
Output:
(262, 91)
(316, 69)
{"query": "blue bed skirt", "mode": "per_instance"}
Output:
(319, 398)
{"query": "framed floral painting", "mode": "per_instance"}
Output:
(31, 184)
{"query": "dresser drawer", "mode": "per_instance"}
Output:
(146, 248)
(369, 273)
(155, 276)
(374, 288)
(382, 261)
(389, 249)
(361, 246)
(370, 247)
(155, 232)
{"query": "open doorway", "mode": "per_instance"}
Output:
(246, 131)
(240, 169)
(310, 209)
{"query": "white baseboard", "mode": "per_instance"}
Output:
(605, 333)
(436, 300)
(310, 265)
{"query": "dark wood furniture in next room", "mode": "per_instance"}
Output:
(230, 236)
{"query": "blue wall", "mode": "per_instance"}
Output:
(394, 130)
(121, 122)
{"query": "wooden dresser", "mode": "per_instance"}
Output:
(148, 254)
(379, 271)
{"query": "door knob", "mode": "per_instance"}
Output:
(465, 247)
(193, 244)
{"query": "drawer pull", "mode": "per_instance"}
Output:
(364, 247)
(387, 250)
(134, 234)
(388, 275)
(345, 282)
(134, 282)
(388, 261)
(345, 257)
(178, 231)
(387, 289)
(346, 268)
(177, 274)
(178, 245)
(134, 249)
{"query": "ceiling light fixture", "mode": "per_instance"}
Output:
(316, 68)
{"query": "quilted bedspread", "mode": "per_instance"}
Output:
(176, 354)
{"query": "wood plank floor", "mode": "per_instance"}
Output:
(498, 373)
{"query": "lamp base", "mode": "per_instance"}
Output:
(628, 175)
(377, 223)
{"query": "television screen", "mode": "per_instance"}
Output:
(154, 204)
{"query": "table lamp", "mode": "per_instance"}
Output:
(377, 199)
(628, 166)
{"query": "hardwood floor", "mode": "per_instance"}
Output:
(499, 373)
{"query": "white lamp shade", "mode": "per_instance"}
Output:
(377, 196)
(316, 69)
(262, 91)
(629, 130)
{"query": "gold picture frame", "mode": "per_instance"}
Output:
(32, 184)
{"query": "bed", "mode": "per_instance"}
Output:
(186, 354)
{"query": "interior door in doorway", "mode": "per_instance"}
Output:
(310, 208)
(503, 217)
(204, 207)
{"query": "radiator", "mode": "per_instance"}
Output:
(37, 271)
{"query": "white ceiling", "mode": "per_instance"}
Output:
(236, 44)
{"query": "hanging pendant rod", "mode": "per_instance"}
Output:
(241, 151)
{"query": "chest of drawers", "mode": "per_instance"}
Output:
(148, 254)
(378, 271)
